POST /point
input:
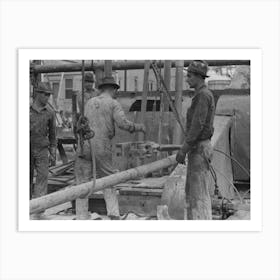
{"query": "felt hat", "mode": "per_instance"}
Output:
(43, 87)
(108, 81)
(199, 67)
(89, 77)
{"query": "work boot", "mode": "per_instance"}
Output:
(113, 217)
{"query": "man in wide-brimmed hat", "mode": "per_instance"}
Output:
(42, 139)
(197, 144)
(103, 113)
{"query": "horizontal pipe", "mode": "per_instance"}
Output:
(169, 148)
(121, 65)
(80, 191)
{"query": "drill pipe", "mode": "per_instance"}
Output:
(81, 191)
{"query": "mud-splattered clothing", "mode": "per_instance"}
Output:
(200, 117)
(103, 113)
(42, 137)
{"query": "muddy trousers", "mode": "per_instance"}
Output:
(39, 160)
(84, 173)
(198, 200)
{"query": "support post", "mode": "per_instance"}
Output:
(108, 68)
(125, 80)
(165, 138)
(177, 132)
(98, 76)
(144, 96)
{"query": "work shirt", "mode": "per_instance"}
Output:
(42, 127)
(200, 116)
(103, 113)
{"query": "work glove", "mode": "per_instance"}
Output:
(52, 151)
(180, 157)
(140, 127)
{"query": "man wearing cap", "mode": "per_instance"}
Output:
(89, 92)
(197, 144)
(42, 139)
(103, 113)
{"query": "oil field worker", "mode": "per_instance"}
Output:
(42, 139)
(197, 144)
(103, 113)
(89, 92)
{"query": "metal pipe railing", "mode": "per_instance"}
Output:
(121, 65)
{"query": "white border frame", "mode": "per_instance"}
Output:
(254, 55)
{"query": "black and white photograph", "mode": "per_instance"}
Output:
(139, 140)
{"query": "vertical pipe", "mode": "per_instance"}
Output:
(83, 88)
(108, 68)
(125, 80)
(167, 78)
(144, 96)
(165, 114)
(98, 77)
(177, 132)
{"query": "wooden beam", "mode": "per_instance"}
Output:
(164, 120)
(177, 132)
(167, 79)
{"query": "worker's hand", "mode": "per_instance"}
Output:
(140, 127)
(180, 157)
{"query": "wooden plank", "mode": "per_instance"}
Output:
(59, 208)
(141, 205)
(140, 191)
(61, 217)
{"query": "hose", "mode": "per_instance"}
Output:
(231, 184)
(236, 161)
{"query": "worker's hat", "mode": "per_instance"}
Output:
(43, 87)
(108, 81)
(89, 77)
(198, 67)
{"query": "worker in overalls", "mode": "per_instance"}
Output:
(103, 113)
(197, 144)
(42, 139)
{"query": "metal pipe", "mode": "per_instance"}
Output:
(144, 97)
(81, 191)
(108, 68)
(177, 132)
(121, 65)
